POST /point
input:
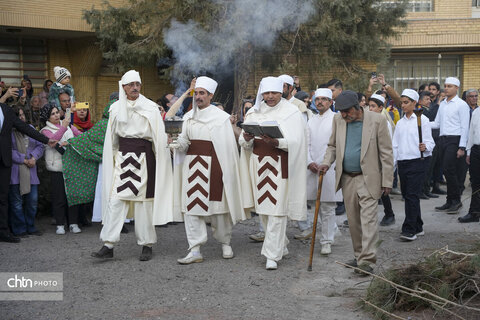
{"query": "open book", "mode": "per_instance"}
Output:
(268, 128)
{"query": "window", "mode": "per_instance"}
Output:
(20, 57)
(411, 72)
(415, 5)
(475, 3)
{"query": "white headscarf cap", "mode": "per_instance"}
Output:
(412, 94)
(323, 92)
(452, 80)
(206, 83)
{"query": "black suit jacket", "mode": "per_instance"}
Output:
(12, 121)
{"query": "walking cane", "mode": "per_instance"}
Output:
(315, 219)
(418, 112)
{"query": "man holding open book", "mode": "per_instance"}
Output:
(274, 153)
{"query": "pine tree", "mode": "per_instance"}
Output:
(338, 37)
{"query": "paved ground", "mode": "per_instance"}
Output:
(241, 288)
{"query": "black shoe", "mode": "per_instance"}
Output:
(408, 236)
(146, 254)
(431, 195)
(36, 233)
(9, 238)
(124, 229)
(345, 223)
(103, 253)
(454, 207)
(423, 196)
(22, 235)
(468, 218)
(365, 267)
(444, 207)
(436, 189)
(340, 209)
(352, 263)
(387, 221)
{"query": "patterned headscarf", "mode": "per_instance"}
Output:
(46, 111)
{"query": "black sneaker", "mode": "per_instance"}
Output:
(468, 218)
(445, 207)
(387, 221)
(408, 236)
(454, 207)
(103, 253)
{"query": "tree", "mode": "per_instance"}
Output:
(309, 36)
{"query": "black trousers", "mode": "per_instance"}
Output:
(59, 200)
(387, 206)
(5, 173)
(453, 167)
(411, 173)
(475, 180)
(431, 172)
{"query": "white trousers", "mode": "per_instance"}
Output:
(114, 219)
(326, 213)
(275, 236)
(196, 229)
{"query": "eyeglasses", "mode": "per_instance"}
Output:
(134, 84)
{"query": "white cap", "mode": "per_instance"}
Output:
(378, 97)
(131, 76)
(286, 79)
(412, 94)
(323, 92)
(452, 80)
(268, 84)
(206, 83)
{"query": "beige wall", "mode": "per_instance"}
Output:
(63, 15)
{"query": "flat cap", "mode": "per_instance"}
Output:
(346, 100)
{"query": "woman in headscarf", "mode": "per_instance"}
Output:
(62, 131)
(23, 192)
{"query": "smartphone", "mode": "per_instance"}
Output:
(374, 75)
(20, 92)
(82, 105)
(59, 148)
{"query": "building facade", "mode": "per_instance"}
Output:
(36, 36)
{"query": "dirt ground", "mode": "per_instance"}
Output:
(240, 288)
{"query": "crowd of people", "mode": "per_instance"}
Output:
(222, 168)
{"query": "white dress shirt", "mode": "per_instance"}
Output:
(405, 138)
(452, 119)
(474, 133)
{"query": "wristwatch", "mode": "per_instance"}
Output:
(462, 148)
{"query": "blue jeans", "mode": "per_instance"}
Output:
(22, 209)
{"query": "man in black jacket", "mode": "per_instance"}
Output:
(9, 120)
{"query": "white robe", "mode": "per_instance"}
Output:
(147, 113)
(211, 124)
(290, 194)
(319, 132)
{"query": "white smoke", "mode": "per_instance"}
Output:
(247, 22)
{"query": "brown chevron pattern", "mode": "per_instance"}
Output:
(128, 184)
(265, 196)
(269, 167)
(195, 202)
(198, 159)
(197, 174)
(197, 187)
(132, 161)
(130, 174)
(265, 181)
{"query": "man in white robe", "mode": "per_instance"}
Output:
(206, 163)
(137, 171)
(287, 93)
(276, 180)
(319, 132)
